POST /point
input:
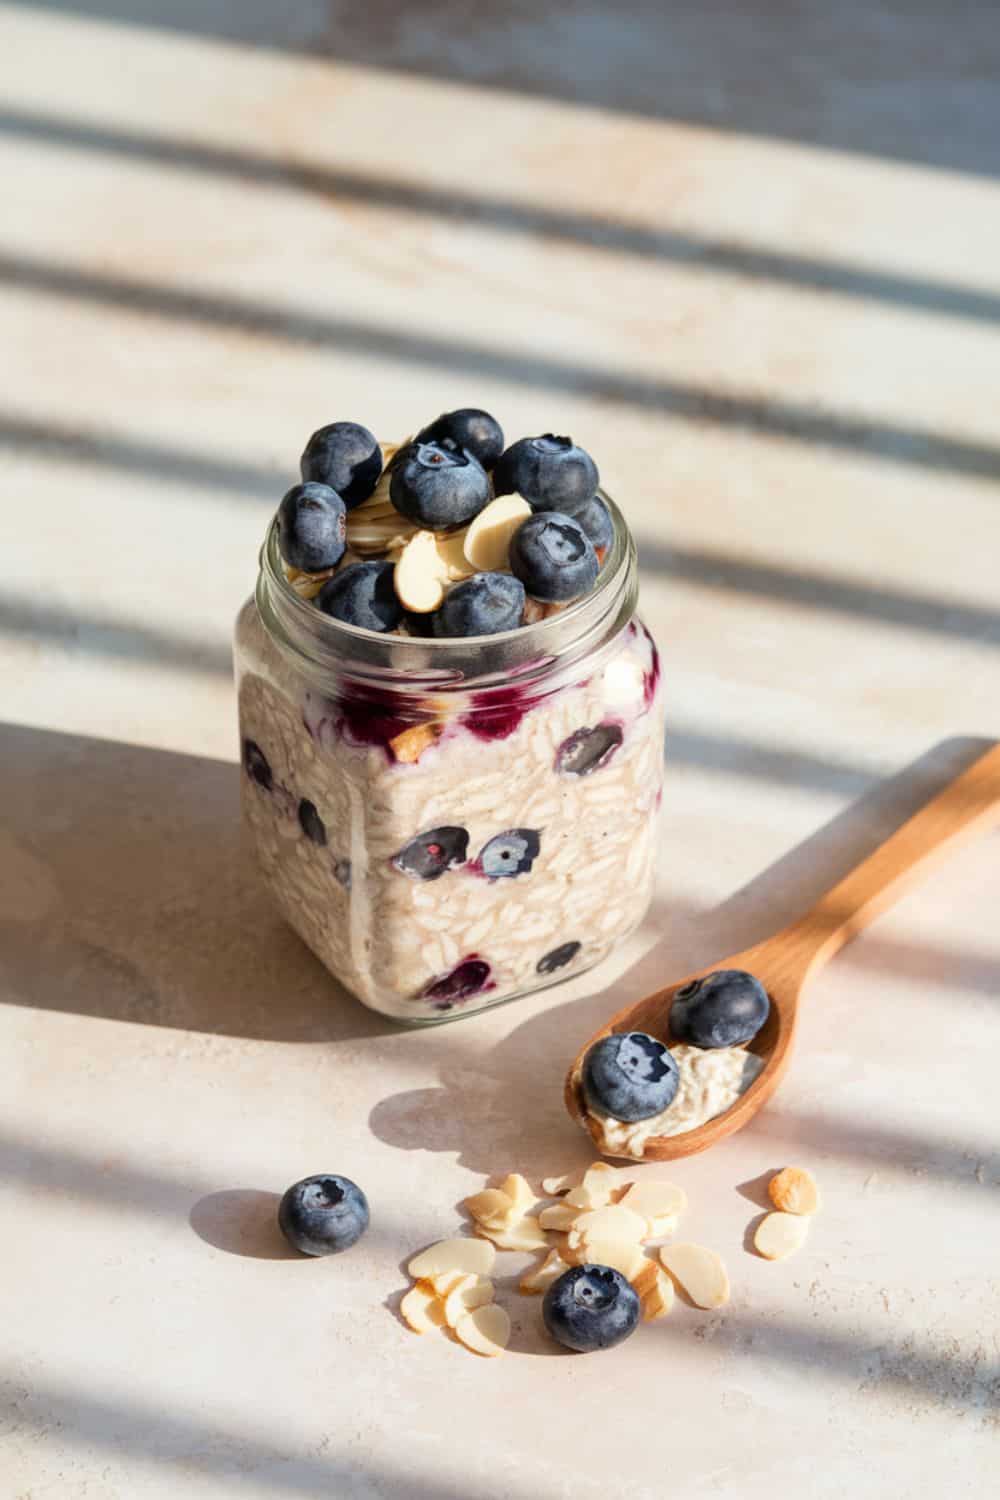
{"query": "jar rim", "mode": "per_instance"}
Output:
(328, 646)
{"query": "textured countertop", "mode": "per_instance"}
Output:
(746, 258)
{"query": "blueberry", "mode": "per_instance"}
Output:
(323, 1215)
(312, 527)
(428, 855)
(595, 518)
(721, 1010)
(484, 604)
(256, 765)
(588, 750)
(509, 854)
(438, 487)
(312, 824)
(553, 557)
(590, 1307)
(470, 977)
(558, 958)
(362, 594)
(474, 430)
(347, 457)
(552, 473)
(629, 1077)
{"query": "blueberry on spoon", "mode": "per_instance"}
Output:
(438, 487)
(629, 1076)
(347, 457)
(469, 428)
(551, 472)
(323, 1215)
(590, 1307)
(724, 1009)
(312, 527)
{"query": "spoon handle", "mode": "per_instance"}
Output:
(968, 805)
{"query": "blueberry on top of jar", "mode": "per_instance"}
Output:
(552, 473)
(438, 486)
(427, 856)
(595, 519)
(484, 604)
(553, 557)
(469, 428)
(629, 1076)
(345, 456)
(312, 526)
(363, 595)
(724, 1009)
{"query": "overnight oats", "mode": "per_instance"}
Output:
(451, 719)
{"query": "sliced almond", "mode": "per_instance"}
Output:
(473, 1256)
(452, 559)
(542, 1277)
(554, 1187)
(794, 1191)
(410, 745)
(485, 1330)
(522, 1234)
(491, 1207)
(654, 1200)
(699, 1272)
(559, 1216)
(659, 1229)
(595, 1190)
(421, 1309)
(646, 1278)
(779, 1235)
(612, 1222)
(519, 1191)
(487, 541)
(471, 1292)
(659, 1300)
(418, 578)
(444, 1283)
(624, 1257)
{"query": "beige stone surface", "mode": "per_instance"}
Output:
(745, 254)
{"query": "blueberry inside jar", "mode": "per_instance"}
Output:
(458, 713)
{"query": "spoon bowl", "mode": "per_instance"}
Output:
(787, 961)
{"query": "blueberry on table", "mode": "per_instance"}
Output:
(551, 472)
(469, 428)
(558, 958)
(256, 764)
(312, 527)
(363, 595)
(311, 823)
(595, 518)
(438, 487)
(323, 1215)
(724, 1009)
(347, 457)
(427, 856)
(629, 1077)
(590, 1307)
(553, 557)
(510, 853)
(484, 604)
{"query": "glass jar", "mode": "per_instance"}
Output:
(450, 824)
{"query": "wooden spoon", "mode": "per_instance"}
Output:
(785, 962)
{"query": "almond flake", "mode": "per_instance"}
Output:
(491, 1207)
(487, 541)
(655, 1200)
(554, 1187)
(419, 577)
(519, 1191)
(559, 1216)
(622, 1256)
(779, 1235)
(410, 744)
(485, 1330)
(472, 1256)
(421, 1309)
(522, 1234)
(794, 1191)
(596, 1188)
(659, 1300)
(542, 1277)
(471, 1292)
(646, 1278)
(610, 1223)
(699, 1272)
(659, 1229)
(445, 1282)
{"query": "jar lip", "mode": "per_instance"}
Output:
(304, 630)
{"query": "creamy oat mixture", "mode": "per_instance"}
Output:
(710, 1081)
(328, 819)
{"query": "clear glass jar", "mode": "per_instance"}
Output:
(450, 824)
